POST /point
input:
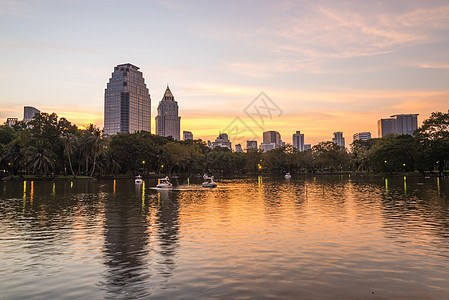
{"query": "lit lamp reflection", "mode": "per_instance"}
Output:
(438, 186)
(405, 185)
(143, 195)
(54, 189)
(386, 186)
(115, 182)
(24, 194)
(32, 192)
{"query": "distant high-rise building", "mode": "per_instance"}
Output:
(187, 135)
(385, 127)
(398, 124)
(238, 148)
(28, 113)
(11, 121)
(406, 123)
(168, 122)
(267, 146)
(298, 141)
(251, 145)
(307, 147)
(127, 102)
(272, 137)
(361, 136)
(339, 139)
(221, 141)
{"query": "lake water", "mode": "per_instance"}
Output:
(261, 237)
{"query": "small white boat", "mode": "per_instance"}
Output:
(209, 183)
(138, 180)
(288, 176)
(164, 183)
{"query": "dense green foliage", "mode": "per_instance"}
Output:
(52, 145)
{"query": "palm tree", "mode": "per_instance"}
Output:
(39, 157)
(96, 145)
(69, 141)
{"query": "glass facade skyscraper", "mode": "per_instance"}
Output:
(168, 122)
(127, 102)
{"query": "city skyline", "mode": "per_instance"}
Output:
(329, 67)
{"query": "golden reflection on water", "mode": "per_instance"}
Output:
(143, 196)
(32, 192)
(405, 186)
(438, 186)
(306, 235)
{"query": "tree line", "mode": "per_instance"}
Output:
(51, 145)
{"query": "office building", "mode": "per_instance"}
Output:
(298, 141)
(307, 147)
(405, 123)
(251, 145)
(11, 121)
(363, 136)
(238, 148)
(221, 141)
(187, 135)
(398, 124)
(272, 137)
(28, 113)
(127, 102)
(267, 146)
(339, 139)
(168, 121)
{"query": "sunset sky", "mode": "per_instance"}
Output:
(328, 65)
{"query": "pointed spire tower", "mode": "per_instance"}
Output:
(168, 122)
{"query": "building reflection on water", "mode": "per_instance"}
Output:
(140, 240)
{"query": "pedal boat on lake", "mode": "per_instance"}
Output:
(209, 183)
(138, 180)
(164, 183)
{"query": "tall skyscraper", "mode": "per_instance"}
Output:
(398, 124)
(187, 135)
(127, 102)
(339, 139)
(298, 141)
(272, 137)
(28, 113)
(361, 136)
(168, 122)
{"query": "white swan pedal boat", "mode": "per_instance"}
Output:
(164, 183)
(209, 183)
(138, 180)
